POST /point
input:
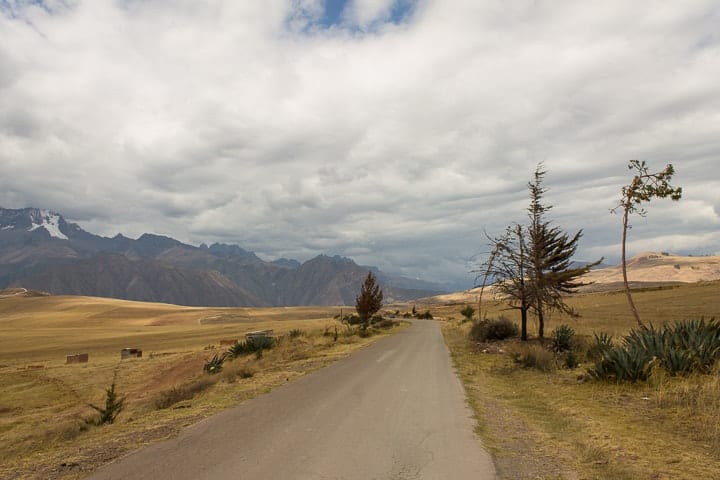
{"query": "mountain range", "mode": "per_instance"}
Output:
(41, 250)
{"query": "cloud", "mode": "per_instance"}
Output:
(393, 132)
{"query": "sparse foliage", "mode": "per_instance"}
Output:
(644, 187)
(468, 312)
(215, 364)
(509, 265)
(114, 404)
(369, 301)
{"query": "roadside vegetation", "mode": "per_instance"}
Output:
(61, 420)
(597, 398)
(546, 411)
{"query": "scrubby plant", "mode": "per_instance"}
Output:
(561, 338)
(215, 364)
(533, 356)
(251, 345)
(570, 360)
(114, 404)
(493, 329)
(296, 333)
(385, 323)
(424, 316)
(178, 393)
(468, 313)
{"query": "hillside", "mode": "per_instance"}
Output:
(40, 250)
(644, 270)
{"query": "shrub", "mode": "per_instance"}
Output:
(468, 312)
(113, 406)
(176, 394)
(493, 329)
(215, 364)
(571, 360)
(376, 319)
(424, 316)
(534, 356)
(561, 338)
(296, 332)
(351, 319)
(251, 345)
(407, 315)
(386, 323)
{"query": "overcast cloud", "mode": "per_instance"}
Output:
(393, 132)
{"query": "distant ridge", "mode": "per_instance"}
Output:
(644, 269)
(40, 250)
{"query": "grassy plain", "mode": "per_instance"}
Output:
(44, 401)
(562, 425)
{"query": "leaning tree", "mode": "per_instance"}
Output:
(644, 187)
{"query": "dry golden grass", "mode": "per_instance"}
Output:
(44, 401)
(553, 425)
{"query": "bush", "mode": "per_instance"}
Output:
(386, 323)
(351, 319)
(296, 332)
(534, 356)
(251, 345)
(424, 316)
(493, 329)
(176, 394)
(468, 312)
(376, 319)
(561, 338)
(571, 360)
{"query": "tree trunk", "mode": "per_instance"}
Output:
(541, 321)
(624, 268)
(523, 323)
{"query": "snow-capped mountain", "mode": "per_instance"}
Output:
(32, 219)
(40, 250)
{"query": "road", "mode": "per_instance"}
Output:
(394, 410)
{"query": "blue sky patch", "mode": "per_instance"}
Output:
(336, 14)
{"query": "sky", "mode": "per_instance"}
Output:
(394, 132)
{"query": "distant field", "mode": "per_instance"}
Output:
(44, 401)
(47, 328)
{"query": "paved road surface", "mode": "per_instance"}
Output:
(394, 410)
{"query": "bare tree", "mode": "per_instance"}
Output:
(508, 264)
(369, 301)
(644, 187)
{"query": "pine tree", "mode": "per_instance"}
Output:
(550, 252)
(369, 301)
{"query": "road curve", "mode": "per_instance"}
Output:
(395, 410)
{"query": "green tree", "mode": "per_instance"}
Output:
(644, 187)
(369, 301)
(551, 274)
